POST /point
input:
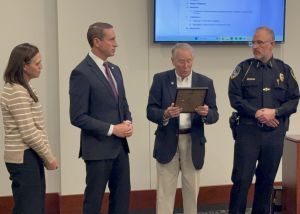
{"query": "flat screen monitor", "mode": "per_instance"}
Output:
(216, 21)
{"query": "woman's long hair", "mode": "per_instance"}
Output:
(14, 73)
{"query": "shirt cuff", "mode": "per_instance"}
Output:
(165, 122)
(110, 131)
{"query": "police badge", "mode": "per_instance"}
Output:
(281, 77)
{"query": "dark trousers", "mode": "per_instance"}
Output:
(28, 184)
(116, 173)
(257, 151)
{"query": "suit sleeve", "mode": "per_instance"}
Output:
(127, 113)
(210, 100)
(155, 111)
(79, 105)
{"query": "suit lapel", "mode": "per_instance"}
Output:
(172, 84)
(96, 70)
(195, 83)
(195, 80)
(115, 76)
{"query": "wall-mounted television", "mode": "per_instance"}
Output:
(216, 21)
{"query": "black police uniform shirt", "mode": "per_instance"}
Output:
(254, 85)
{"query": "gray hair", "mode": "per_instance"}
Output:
(269, 31)
(184, 46)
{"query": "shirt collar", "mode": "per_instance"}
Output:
(268, 64)
(186, 79)
(96, 59)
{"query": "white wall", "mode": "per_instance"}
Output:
(291, 51)
(64, 45)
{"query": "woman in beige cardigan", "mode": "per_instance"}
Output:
(27, 150)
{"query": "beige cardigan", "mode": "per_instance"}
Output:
(23, 125)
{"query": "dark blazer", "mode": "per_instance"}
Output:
(162, 94)
(93, 108)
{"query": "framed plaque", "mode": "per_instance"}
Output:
(190, 98)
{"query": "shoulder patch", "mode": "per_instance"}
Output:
(236, 72)
(292, 73)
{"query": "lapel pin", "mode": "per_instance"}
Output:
(172, 83)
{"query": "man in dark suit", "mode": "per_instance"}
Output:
(98, 106)
(180, 141)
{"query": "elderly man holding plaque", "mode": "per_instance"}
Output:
(180, 141)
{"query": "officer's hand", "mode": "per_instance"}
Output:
(258, 113)
(264, 115)
(172, 111)
(202, 110)
(273, 123)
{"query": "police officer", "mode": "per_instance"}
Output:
(264, 92)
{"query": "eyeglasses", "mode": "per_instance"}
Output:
(259, 43)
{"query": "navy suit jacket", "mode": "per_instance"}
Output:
(93, 108)
(162, 94)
